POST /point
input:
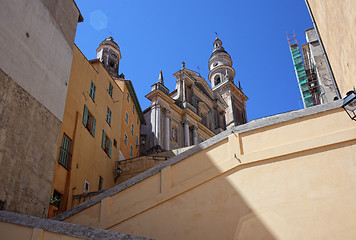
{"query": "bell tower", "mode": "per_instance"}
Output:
(222, 76)
(109, 54)
(220, 66)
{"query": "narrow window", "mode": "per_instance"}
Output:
(86, 186)
(108, 116)
(89, 120)
(217, 80)
(133, 110)
(128, 97)
(110, 89)
(136, 140)
(115, 143)
(137, 120)
(111, 63)
(132, 129)
(56, 199)
(92, 91)
(125, 141)
(131, 151)
(64, 155)
(106, 144)
(127, 119)
(101, 180)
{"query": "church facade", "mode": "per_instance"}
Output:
(194, 111)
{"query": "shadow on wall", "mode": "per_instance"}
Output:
(239, 185)
(205, 208)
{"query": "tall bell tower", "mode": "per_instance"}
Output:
(109, 54)
(222, 76)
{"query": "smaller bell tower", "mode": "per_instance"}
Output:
(222, 76)
(220, 65)
(109, 54)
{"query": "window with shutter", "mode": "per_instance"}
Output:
(89, 121)
(106, 144)
(64, 153)
(108, 116)
(92, 91)
(93, 127)
(85, 115)
(110, 89)
(127, 119)
(110, 147)
(103, 141)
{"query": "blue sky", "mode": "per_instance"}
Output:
(154, 35)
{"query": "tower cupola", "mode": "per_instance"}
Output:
(220, 65)
(109, 54)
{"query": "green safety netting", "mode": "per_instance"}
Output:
(301, 75)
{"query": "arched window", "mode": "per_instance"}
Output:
(217, 80)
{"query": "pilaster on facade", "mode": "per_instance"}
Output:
(156, 124)
(186, 132)
(167, 128)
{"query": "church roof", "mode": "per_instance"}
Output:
(218, 48)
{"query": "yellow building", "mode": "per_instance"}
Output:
(109, 54)
(287, 176)
(90, 134)
(131, 121)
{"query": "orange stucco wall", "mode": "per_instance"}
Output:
(127, 107)
(89, 160)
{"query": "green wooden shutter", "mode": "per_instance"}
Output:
(85, 115)
(110, 89)
(110, 117)
(91, 89)
(103, 143)
(64, 151)
(93, 127)
(94, 89)
(107, 114)
(110, 146)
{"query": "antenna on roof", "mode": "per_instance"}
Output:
(198, 74)
(216, 34)
(111, 35)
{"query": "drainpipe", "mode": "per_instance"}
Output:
(323, 50)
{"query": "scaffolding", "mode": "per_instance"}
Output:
(307, 79)
(312, 77)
